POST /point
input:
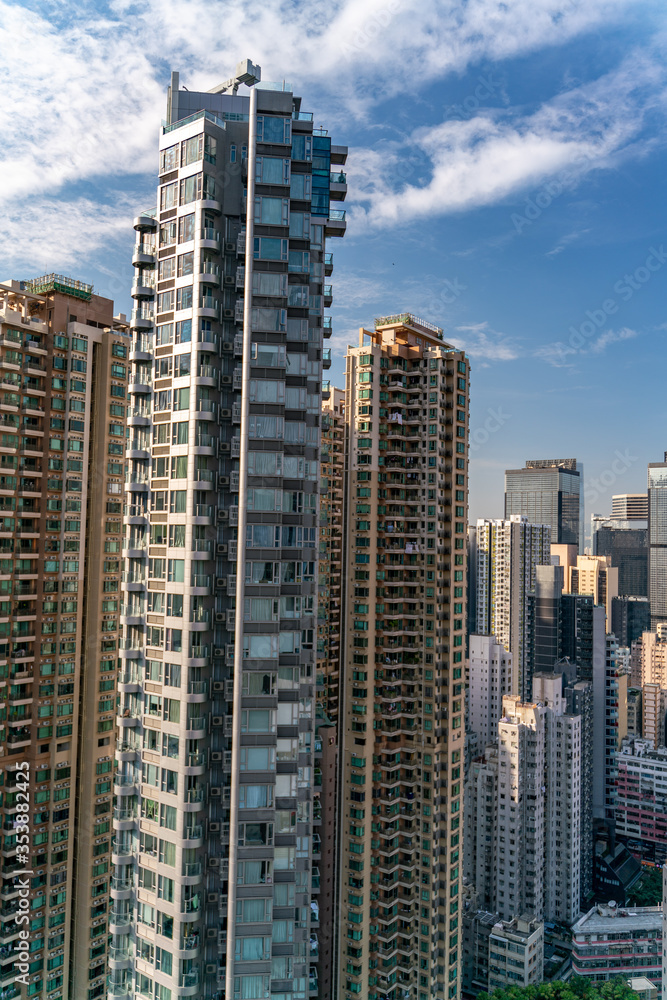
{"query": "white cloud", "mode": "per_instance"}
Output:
(612, 337)
(484, 344)
(498, 153)
(84, 89)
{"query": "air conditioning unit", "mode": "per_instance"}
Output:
(226, 380)
(212, 897)
(210, 969)
(215, 792)
(213, 862)
(211, 933)
(223, 480)
(221, 548)
(230, 247)
(230, 279)
(218, 651)
(218, 720)
(225, 413)
(222, 514)
(218, 686)
(227, 345)
(216, 755)
(214, 826)
(220, 617)
(228, 314)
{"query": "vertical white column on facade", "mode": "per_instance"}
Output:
(241, 551)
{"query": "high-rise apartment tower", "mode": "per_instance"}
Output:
(64, 364)
(402, 711)
(215, 889)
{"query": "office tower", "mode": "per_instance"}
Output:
(630, 617)
(216, 814)
(610, 687)
(489, 678)
(545, 617)
(508, 552)
(596, 576)
(331, 546)
(629, 507)
(626, 545)
(579, 700)
(63, 358)
(657, 541)
(402, 728)
(549, 491)
(641, 787)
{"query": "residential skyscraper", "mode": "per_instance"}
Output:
(549, 491)
(657, 541)
(545, 617)
(489, 679)
(508, 553)
(596, 576)
(538, 850)
(402, 711)
(63, 358)
(331, 554)
(214, 885)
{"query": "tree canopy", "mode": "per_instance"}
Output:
(576, 988)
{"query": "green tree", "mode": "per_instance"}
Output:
(648, 891)
(576, 988)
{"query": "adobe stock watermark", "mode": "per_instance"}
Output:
(375, 25)
(547, 194)
(624, 288)
(493, 422)
(602, 484)
(485, 88)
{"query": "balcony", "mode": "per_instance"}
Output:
(143, 255)
(326, 357)
(335, 224)
(210, 239)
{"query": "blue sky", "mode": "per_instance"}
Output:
(505, 180)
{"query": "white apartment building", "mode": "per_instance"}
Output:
(507, 553)
(489, 678)
(539, 817)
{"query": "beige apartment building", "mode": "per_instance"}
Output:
(63, 369)
(401, 718)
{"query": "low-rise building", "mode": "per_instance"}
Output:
(610, 941)
(641, 799)
(516, 952)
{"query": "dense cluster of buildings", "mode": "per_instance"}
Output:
(293, 728)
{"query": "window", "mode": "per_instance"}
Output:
(271, 211)
(184, 297)
(273, 130)
(269, 248)
(186, 228)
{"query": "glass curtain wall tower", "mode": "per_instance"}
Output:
(215, 815)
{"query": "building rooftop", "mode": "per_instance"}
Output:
(605, 919)
(59, 283)
(407, 319)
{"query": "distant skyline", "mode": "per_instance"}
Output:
(505, 180)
